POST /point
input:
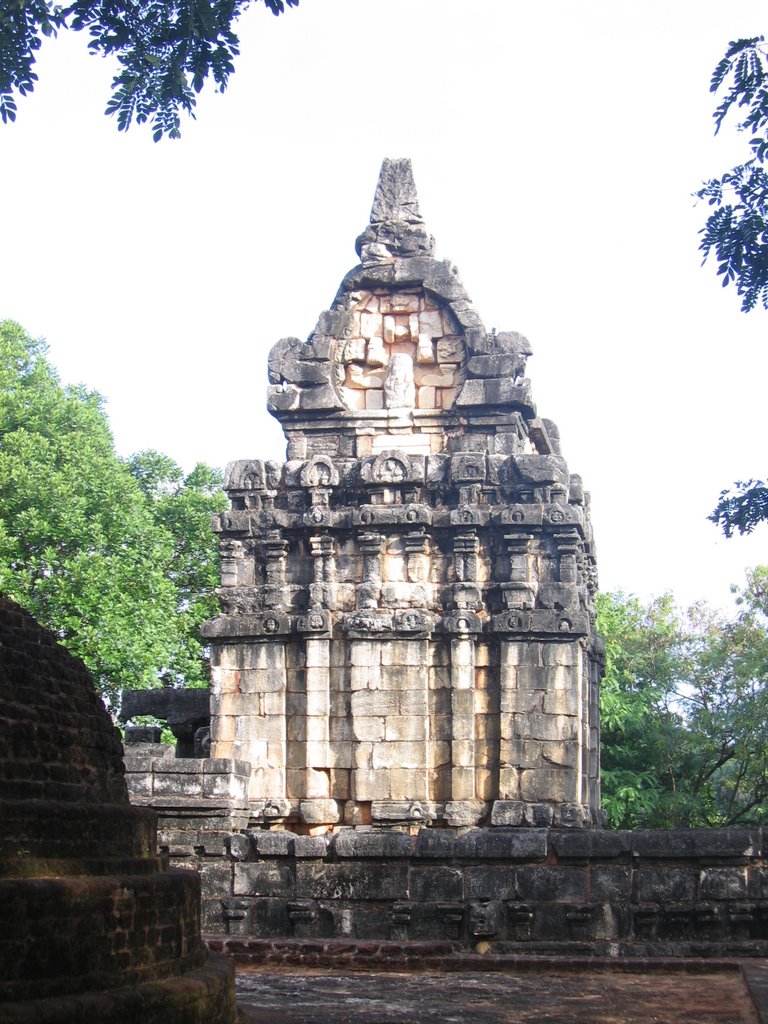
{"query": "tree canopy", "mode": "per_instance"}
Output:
(100, 549)
(183, 506)
(736, 232)
(166, 50)
(684, 711)
(743, 509)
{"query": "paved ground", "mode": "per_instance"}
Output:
(331, 996)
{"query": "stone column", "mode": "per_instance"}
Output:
(404, 753)
(275, 550)
(416, 545)
(520, 592)
(370, 706)
(595, 669)
(540, 749)
(261, 722)
(316, 805)
(568, 547)
(465, 548)
(231, 552)
(463, 807)
(369, 591)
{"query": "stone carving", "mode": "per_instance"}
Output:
(391, 468)
(399, 388)
(319, 471)
(407, 602)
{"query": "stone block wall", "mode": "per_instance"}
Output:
(699, 892)
(359, 730)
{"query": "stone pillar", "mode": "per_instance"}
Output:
(520, 592)
(567, 542)
(369, 590)
(369, 708)
(465, 548)
(541, 729)
(595, 670)
(275, 550)
(316, 806)
(324, 572)
(463, 808)
(406, 730)
(231, 552)
(261, 725)
(416, 546)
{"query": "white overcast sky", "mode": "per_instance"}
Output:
(555, 146)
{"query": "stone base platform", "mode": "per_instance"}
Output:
(647, 893)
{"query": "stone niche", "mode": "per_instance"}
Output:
(94, 927)
(407, 632)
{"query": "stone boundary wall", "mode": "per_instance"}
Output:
(549, 891)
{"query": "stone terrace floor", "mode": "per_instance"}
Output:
(649, 992)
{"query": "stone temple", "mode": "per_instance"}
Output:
(404, 703)
(407, 629)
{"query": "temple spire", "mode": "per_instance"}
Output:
(396, 229)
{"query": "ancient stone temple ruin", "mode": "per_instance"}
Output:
(407, 628)
(403, 710)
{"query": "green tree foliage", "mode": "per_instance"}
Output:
(183, 505)
(98, 553)
(685, 711)
(743, 509)
(166, 49)
(736, 232)
(637, 726)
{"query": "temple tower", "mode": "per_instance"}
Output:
(407, 627)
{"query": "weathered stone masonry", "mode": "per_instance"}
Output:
(407, 627)
(405, 651)
(505, 890)
(93, 925)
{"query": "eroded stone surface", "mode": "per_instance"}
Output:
(586, 997)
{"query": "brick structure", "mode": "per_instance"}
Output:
(407, 628)
(93, 927)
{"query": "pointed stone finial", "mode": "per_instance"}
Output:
(396, 197)
(396, 229)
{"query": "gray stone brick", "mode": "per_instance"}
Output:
(503, 844)
(353, 880)
(372, 844)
